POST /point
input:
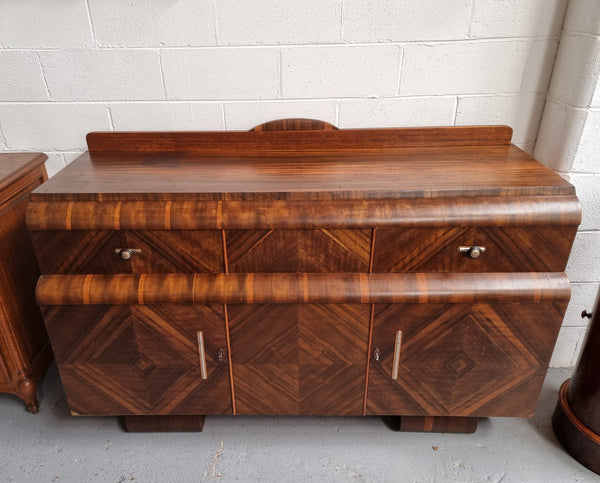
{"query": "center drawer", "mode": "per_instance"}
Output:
(151, 251)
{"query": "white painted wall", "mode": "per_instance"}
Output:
(569, 142)
(72, 66)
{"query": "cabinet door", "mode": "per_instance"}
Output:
(142, 359)
(460, 360)
(299, 359)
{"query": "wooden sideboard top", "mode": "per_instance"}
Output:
(352, 164)
(13, 165)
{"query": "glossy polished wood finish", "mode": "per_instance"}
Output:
(327, 260)
(141, 359)
(294, 142)
(406, 213)
(507, 249)
(304, 165)
(576, 420)
(24, 349)
(480, 359)
(95, 251)
(249, 288)
(301, 358)
(295, 125)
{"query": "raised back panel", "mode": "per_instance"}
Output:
(270, 139)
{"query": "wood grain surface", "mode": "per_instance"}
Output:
(406, 213)
(302, 288)
(302, 251)
(14, 166)
(295, 124)
(507, 249)
(24, 348)
(268, 142)
(462, 360)
(502, 170)
(94, 251)
(140, 359)
(299, 358)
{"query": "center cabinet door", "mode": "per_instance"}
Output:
(299, 359)
(142, 359)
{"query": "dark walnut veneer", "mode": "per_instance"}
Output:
(302, 269)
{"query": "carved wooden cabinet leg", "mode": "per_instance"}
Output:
(27, 387)
(151, 424)
(432, 424)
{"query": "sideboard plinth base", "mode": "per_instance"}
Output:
(432, 424)
(152, 424)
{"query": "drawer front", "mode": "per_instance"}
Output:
(460, 360)
(308, 251)
(507, 249)
(142, 359)
(154, 251)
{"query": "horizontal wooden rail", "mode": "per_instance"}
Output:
(291, 142)
(302, 288)
(408, 212)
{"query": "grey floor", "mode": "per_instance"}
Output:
(54, 446)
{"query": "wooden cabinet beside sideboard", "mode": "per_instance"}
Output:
(24, 348)
(397, 272)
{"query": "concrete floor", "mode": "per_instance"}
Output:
(54, 446)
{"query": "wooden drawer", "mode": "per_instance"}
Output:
(309, 251)
(161, 251)
(507, 249)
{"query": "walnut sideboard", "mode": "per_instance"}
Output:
(302, 269)
(24, 348)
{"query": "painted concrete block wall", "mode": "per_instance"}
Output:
(72, 66)
(569, 141)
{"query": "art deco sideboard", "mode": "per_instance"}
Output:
(306, 270)
(24, 348)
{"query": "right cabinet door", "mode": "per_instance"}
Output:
(485, 359)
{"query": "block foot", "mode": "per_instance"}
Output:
(432, 424)
(152, 424)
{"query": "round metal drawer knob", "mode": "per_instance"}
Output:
(472, 251)
(127, 253)
(475, 252)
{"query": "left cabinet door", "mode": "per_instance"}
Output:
(142, 359)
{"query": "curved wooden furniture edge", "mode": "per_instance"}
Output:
(407, 212)
(302, 288)
(581, 442)
(295, 124)
(288, 141)
(35, 160)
